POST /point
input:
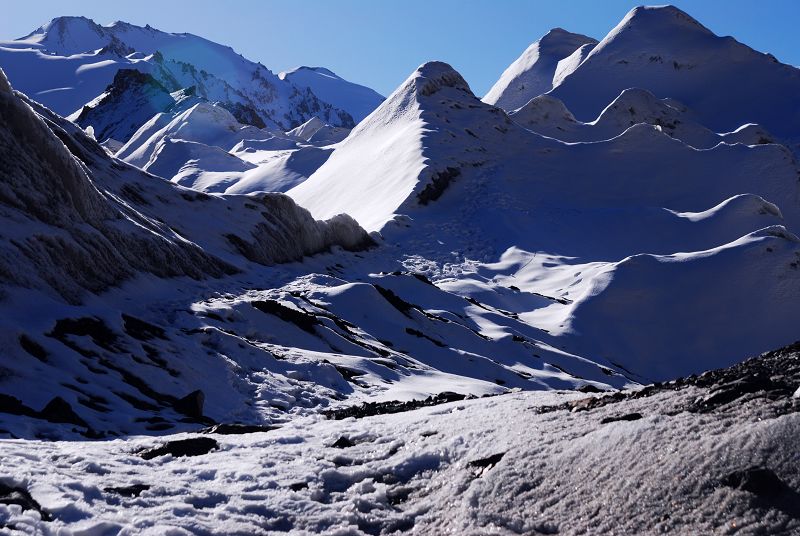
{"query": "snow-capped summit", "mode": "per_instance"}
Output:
(69, 35)
(403, 152)
(533, 72)
(359, 101)
(71, 61)
(667, 52)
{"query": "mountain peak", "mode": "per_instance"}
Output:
(432, 76)
(319, 70)
(653, 18)
(560, 37)
(533, 72)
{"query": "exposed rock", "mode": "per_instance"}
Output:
(236, 428)
(21, 497)
(134, 490)
(194, 446)
(191, 405)
(770, 491)
(59, 410)
(626, 417)
(485, 464)
(342, 443)
(369, 409)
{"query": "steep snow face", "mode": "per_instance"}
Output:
(281, 173)
(665, 51)
(202, 146)
(209, 124)
(402, 153)
(567, 65)
(71, 60)
(359, 101)
(318, 133)
(533, 73)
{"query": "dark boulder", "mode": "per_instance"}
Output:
(235, 428)
(21, 497)
(191, 405)
(194, 446)
(59, 410)
(134, 490)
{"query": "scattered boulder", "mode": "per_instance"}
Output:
(134, 490)
(139, 329)
(769, 490)
(370, 409)
(191, 405)
(14, 406)
(59, 410)
(21, 497)
(33, 348)
(343, 442)
(481, 466)
(235, 428)
(193, 446)
(626, 417)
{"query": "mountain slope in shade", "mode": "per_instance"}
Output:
(623, 314)
(548, 116)
(71, 60)
(357, 100)
(533, 72)
(81, 221)
(131, 100)
(665, 51)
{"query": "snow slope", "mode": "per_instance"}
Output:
(357, 100)
(667, 52)
(533, 73)
(522, 463)
(71, 60)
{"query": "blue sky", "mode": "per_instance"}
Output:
(379, 43)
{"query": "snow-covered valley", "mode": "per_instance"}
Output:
(191, 241)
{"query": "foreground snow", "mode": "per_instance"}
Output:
(713, 455)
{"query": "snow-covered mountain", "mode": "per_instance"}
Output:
(355, 99)
(667, 52)
(613, 236)
(474, 183)
(535, 71)
(70, 61)
(131, 100)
